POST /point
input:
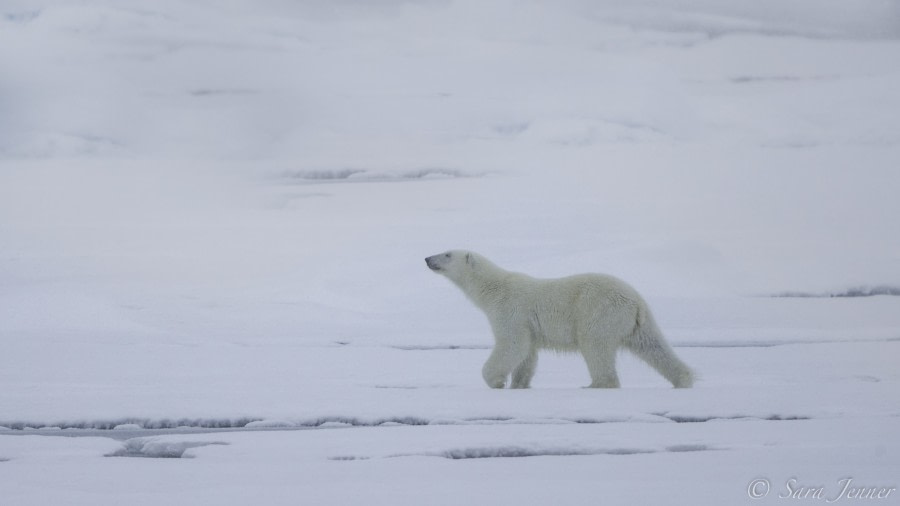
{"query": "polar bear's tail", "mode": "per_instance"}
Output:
(648, 343)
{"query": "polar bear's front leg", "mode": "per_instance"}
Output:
(508, 354)
(492, 373)
(521, 376)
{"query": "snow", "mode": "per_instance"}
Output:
(214, 216)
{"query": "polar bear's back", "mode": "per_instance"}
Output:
(590, 288)
(584, 306)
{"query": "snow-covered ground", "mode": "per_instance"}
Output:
(214, 216)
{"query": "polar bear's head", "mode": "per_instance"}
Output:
(451, 264)
(468, 270)
(462, 267)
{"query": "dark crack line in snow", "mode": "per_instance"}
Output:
(513, 451)
(773, 343)
(852, 292)
(441, 347)
(353, 175)
(150, 428)
(681, 344)
(703, 419)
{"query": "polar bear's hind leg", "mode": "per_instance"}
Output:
(661, 357)
(649, 345)
(601, 362)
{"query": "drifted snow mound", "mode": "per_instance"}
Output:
(156, 448)
(271, 424)
(127, 426)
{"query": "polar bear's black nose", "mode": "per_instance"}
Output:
(431, 264)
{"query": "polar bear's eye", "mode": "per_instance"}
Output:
(447, 255)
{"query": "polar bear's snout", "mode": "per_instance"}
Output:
(438, 263)
(433, 262)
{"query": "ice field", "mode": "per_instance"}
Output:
(214, 218)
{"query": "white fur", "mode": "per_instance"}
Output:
(593, 314)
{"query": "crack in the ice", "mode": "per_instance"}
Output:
(703, 419)
(495, 452)
(130, 427)
(130, 423)
(677, 344)
(778, 78)
(856, 291)
(780, 342)
(354, 175)
(440, 347)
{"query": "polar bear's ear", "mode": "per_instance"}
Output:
(469, 259)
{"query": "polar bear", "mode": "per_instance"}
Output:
(593, 314)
